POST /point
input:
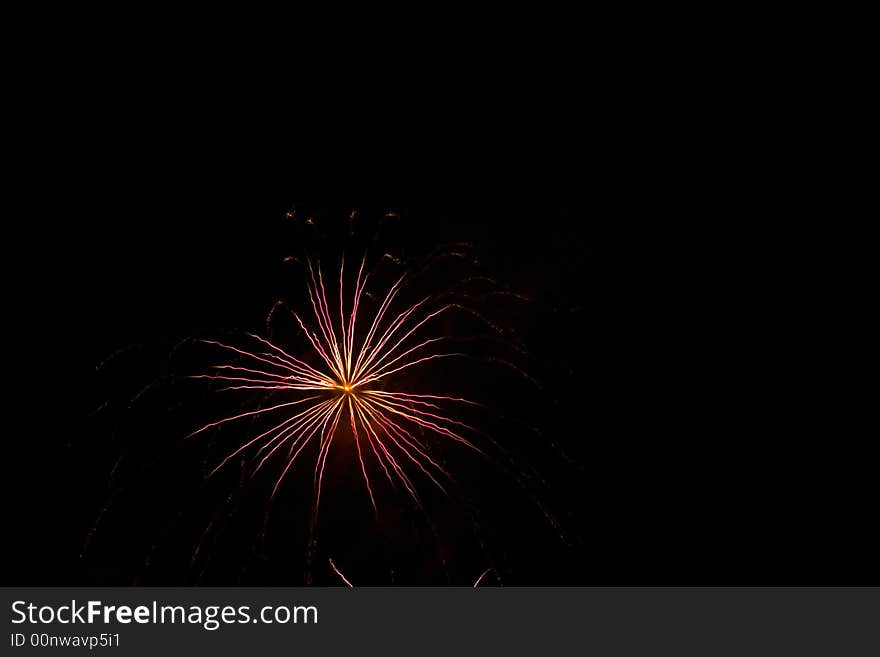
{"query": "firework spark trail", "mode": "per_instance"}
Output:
(480, 578)
(350, 585)
(384, 421)
(341, 576)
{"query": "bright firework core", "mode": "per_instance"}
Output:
(390, 428)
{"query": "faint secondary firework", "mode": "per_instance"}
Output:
(350, 384)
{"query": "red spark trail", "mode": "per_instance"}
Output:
(341, 576)
(384, 424)
(480, 578)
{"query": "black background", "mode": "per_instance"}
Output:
(149, 216)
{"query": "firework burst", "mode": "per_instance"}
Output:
(349, 384)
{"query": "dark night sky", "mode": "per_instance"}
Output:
(142, 227)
